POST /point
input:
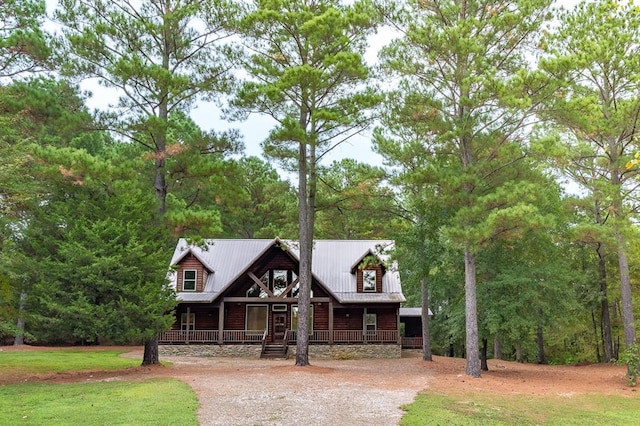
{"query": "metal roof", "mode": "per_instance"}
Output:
(331, 266)
(412, 312)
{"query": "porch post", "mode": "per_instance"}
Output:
(221, 322)
(364, 326)
(398, 325)
(331, 321)
(188, 323)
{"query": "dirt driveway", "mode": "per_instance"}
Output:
(239, 391)
(275, 392)
(236, 391)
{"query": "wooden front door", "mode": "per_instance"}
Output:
(279, 325)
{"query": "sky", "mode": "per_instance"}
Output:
(256, 127)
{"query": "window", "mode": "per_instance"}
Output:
(280, 282)
(256, 318)
(189, 280)
(188, 322)
(256, 291)
(277, 281)
(296, 289)
(371, 323)
(369, 280)
(294, 318)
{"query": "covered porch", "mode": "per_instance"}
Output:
(173, 337)
(243, 321)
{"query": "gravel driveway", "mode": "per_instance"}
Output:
(234, 391)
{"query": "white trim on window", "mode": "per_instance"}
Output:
(188, 322)
(371, 322)
(369, 278)
(192, 280)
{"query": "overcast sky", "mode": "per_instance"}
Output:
(256, 128)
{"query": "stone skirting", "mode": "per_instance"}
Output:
(241, 351)
(315, 351)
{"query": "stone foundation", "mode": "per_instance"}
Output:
(238, 351)
(315, 351)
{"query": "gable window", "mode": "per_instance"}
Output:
(256, 291)
(294, 318)
(189, 279)
(256, 320)
(369, 280)
(277, 281)
(371, 323)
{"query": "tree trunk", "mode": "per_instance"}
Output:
(305, 217)
(625, 292)
(483, 356)
(426, 331)
(542, 359)
(497, 346)
(607, 340)
(471, 315)
(519, 356)
(597, 338)
(151, 356)
(19, 336)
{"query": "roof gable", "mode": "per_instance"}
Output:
(195, 254)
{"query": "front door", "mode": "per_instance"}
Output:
(279, 326)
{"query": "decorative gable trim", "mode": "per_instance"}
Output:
(284, 246)
(359, 263)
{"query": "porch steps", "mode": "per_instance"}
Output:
(274, 351)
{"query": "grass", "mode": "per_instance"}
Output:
(152, 402)
(149, 402)
(38, 362)
(487, 409)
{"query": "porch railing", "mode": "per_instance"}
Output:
(412, 342)
(191, 336)
(256, 336)
(242, 336)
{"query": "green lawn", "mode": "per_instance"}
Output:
(35, 362)
(488, 409)
(149, 402)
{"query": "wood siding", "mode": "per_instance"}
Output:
(234, 316)
(191, 262)
(352, 318)
(387, 318)
(206, 316)
(359, 278)
(321, 316)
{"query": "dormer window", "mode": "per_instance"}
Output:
(189, 279)
(369, 280)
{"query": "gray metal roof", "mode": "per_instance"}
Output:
(412, 312)
(332, 262)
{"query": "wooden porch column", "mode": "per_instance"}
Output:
(364, 326)
(331, 321)
(221, 322)
(188, 323)
(398, 325)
